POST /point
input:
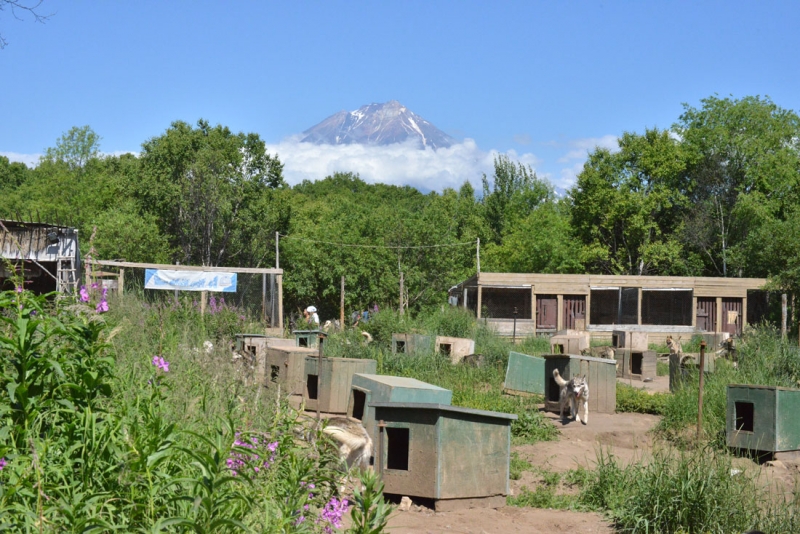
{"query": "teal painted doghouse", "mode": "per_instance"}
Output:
(412, 344)
(328, 381)
(763, 418)
(307, 338)
(367, 389)
(457, 457)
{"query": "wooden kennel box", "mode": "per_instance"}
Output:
(627, 339)
(327, 381)
(254, 348)
(680, 365)
(412, 344)
(763, 418)
(307, 338)
(286, 366)
(636, 364)
(455, 456)
(525, 374)
(569, 343)
(367, 389)
(455, 348)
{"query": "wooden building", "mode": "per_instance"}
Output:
(763, 418)
(457, 457)
(600, 304)
(412, 344)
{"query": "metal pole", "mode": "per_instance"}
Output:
(264, 297)
(277, 251)
(341, 307)
(319, 372)
(700, 390)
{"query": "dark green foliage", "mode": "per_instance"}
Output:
(636, 400)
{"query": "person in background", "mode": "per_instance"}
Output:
(374, 307)
(311, 316)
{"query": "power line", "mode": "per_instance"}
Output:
(351, 245)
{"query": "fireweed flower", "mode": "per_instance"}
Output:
(94, 285)
(19, 289)
(84, 294)
(332, 514)
(161, 363)
(102, 306)
(3, 463)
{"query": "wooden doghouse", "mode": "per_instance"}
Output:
(569, 343)
(681, 364)
(367, 389)
(455, 348)
(534, 375)
(254, 348)
(286, 365)
(763, 418)
(455, 456)
(411, 344)
(627, 339)
(327, 381)
(307, 338)
(636, 364)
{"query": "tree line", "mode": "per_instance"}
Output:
(716, 194)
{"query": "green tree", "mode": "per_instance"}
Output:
(75, 147)
(203, 184)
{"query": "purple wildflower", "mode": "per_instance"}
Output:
(84, 294)
(300, 520)
(95, 285)
(102, 306)
(3, 463)
(332, 514)
(19, 289)
(161, 363)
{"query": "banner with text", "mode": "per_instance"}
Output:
(189, 280)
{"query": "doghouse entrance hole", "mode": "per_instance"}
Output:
(397, 448)
(744, 416)
(251, 349)
(401, 347)
(359, 400)
(559, 349)
(312, 385)
(445, 348)
(615, 340)
(302, 342)
(637, 359)
(275, 373)
(554, 393)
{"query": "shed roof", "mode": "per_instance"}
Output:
(400, 381)
(443, 408)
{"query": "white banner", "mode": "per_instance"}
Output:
(189, 280)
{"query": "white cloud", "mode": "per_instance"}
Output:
(580, 148)
(31, 160)
(396, 164)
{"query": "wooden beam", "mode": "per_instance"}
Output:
(248, 270)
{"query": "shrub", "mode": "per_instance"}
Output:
(635, 400)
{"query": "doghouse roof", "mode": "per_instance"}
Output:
(400, 382)
(443, 408)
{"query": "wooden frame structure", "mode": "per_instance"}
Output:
(547, 303)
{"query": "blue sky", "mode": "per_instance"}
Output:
(543, 82)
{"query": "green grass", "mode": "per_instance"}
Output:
(517, 466)
(636, 400)
(662, 369)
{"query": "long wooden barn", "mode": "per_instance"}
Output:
(600, 304)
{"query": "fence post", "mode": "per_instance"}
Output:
(700, 390)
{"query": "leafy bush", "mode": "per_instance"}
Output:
(635, 400)
(531, 427)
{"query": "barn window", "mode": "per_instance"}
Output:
(615, 305)
(667, 307)
(500, 302)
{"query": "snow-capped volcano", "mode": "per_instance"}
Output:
(377, 124)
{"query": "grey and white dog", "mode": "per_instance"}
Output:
(576, 392)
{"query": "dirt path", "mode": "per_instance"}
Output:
(625, 435)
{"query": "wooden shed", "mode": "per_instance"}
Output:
(412, 344)
(534, 375)
(455, 348)
(286, 365)
(628, 339)
(254, 348)
(307, 338)
(455, 456)
(763, 418)
(636, 364)
(327, 381)
(367, 389)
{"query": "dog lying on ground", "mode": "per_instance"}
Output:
(355, 445)
(601, 352)
(576, 392)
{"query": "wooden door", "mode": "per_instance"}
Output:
(732, 316)
(707, 314)
(575, 312)
(546, 312)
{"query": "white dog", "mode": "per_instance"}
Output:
(355, 445)
(575, 391)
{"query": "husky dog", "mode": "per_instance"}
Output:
(575, 391)
(674, 345)
(355, 445)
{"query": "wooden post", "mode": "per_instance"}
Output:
(203, 299)
(702, 369)
(783, 316)
(277, 251)
(402, 308)
(279, 277)
(480, 301)
(121, 281)
(479, 255)
(341, 307)
(319, 373)
(264, 297)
